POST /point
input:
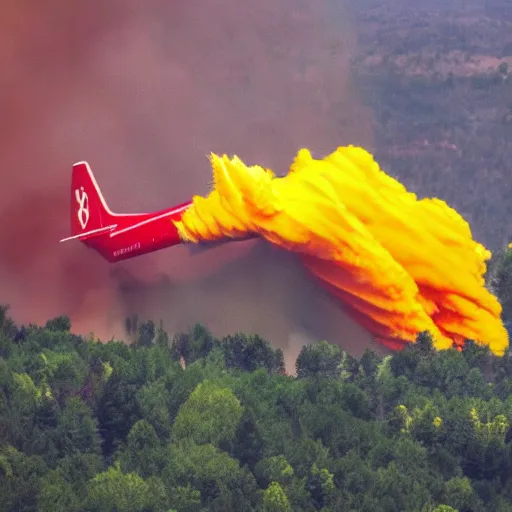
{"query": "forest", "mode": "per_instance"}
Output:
(192, 423)
(436, 76)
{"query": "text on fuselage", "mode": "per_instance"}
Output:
(126, 250)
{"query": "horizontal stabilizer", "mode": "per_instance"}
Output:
(91, 234)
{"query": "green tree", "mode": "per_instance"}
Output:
(195, 344)
(143, 453)
(57, 495)
(78, 469)
(207, 469)
(77, 430)
(123, 492)
(152, 401)
(117, 411)
(20, 480)
(251, 352)
(247, 445)
(274, 469)
(60, 323)
(21, 403)
(7, 325)
(186, 499)
(459, 494)
(321, 487)
(304, 453)
(8, 332)
(405, 362)
(321, 359)
(61, 373)
(210, 415)
(275, 500)
(501, 283)
(147, 334)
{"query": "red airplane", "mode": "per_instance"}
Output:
(117, 236)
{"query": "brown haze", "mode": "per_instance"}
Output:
(144, 91)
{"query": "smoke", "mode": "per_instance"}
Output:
(144, 91)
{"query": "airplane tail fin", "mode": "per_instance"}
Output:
(90, 214)
(116, 236)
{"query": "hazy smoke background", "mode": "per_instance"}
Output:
(144, 91)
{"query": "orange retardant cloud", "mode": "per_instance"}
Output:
(398, 264)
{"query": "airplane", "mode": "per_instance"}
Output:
(117, 236)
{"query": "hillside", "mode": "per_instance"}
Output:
(88, 426)
(437, 75)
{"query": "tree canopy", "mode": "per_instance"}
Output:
(195, 423)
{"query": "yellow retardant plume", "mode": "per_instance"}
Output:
(399, 265)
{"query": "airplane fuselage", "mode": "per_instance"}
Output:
(138, 234)
(119, 236)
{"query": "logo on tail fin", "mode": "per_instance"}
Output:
(83, 203)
